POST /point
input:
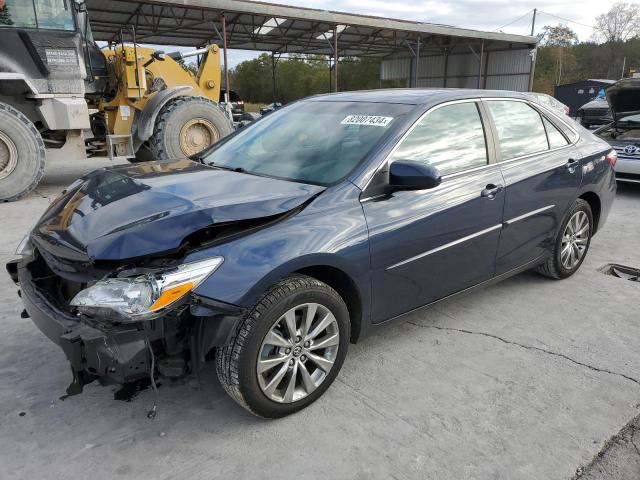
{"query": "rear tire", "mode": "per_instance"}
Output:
(22, 154)
(187, 125)
(238, 363)
(569, 238)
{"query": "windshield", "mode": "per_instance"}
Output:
(310, 142)
(50, 14)
(631, 119)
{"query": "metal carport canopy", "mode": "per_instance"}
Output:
(282, 29)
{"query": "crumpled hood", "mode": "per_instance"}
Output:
(624, 97)
(135, 210)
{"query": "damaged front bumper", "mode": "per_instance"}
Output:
(120, 353)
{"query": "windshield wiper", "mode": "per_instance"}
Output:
(226, 167)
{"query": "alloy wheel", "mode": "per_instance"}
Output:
(575, 240)
(298, 353)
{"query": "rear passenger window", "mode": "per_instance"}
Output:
(520, 128)
(556, 139)
(450, 138)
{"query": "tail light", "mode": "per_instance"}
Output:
(612, 157)
(567, 110)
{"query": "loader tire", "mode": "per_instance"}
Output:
(22, 154)
(187, 125)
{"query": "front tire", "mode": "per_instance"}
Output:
(22, 154)
(187, 125)
(571, 244)
(288, 349)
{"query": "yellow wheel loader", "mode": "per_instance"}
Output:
(58, 89)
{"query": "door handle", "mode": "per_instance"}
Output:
(571, 165)
(490, 191)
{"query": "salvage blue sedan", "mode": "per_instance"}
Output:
(274, 249)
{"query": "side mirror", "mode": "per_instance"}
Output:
(412, 175)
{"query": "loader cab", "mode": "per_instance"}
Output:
(94, 59)
(39, 14)
(48, 46)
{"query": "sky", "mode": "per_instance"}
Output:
(474, 14)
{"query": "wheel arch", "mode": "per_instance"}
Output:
(346, 287)
(346, 279)
(146, 120)
(595, 203)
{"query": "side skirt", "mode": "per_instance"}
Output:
(374, 327)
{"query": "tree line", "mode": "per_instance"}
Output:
(561, 58)
(299, 76)
(611, 53)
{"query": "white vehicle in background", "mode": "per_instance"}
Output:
(550, 102)
(623, 130)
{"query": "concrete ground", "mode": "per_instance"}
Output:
(528, 379)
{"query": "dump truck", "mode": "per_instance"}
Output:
(59, 89)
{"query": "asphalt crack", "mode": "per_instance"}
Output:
(530, 347)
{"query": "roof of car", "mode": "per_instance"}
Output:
(414, 96)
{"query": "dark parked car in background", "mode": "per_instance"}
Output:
(594, 112)
(623, 131)
(306, 231)
(272, 107)
(237, 104)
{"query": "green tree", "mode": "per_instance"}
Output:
(299, 76)
(556, 62)
(558, 36)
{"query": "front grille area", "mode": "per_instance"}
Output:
(56, 290)
(626, 153)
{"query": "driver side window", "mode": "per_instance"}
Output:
(450, 138)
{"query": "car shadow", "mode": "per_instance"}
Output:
(628, 189)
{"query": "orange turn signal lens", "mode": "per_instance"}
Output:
(171, 295)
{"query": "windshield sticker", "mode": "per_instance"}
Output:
(367, 120)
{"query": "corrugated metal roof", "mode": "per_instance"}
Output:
(297, 30)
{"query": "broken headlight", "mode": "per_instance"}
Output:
(143, 296)
(25, 249)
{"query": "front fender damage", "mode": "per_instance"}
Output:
(112, 351)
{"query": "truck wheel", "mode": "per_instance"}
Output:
(288, 349)
(22, 154)
(187, 125)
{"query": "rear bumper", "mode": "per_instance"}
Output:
(627, 166)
